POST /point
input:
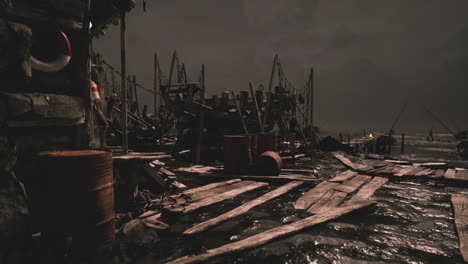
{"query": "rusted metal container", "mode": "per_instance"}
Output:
(237, 156)
(268, 164)
(266, 141)
(79, 197)
(253, 144)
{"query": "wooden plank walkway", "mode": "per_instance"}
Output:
(460, 208)
(243, 208)
(274, 233)
(313, 195)
(198, 196)
(369, 189)
(435, 170)
(284, 176)
(329, 201)
(224, 196)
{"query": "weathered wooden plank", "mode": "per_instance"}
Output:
(353, 184)
(210, 186)
(223, 196)
(439, 174)
(243, 208)
(399, 162)
(404, 171)
(425, 172)
(198, 196)
(460, 208)
(274, 233)
(282, 177)
(348, 163)
(313, 195)
(369, 189)
(344, 176)
(329, 201)
(450, 174)
(414, 171)
(462, 175)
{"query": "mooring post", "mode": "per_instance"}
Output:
(341, 138)
(402, 143)
(123, 71)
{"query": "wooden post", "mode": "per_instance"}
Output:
(270, 86)
(341, 138)
(311, 98)
(240, 113)
(254, 98)
(156, 84)
(364, 133)
(349, 140)
(402, 143)
(201, 126)
(123, 71)
(174, 55)
(136, 94)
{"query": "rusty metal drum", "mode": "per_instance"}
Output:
(78, 197)
(268, 164)
(266, 141)
(253, 144)
(237, 156)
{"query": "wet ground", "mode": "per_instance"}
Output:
(412, 221)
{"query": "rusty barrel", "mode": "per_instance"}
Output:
(253, 144)
(268, 164)
(266, 141)
(79, 197)
(237, 156)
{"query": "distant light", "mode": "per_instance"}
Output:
(370, 135)
(90, 25)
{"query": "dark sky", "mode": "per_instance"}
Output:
(369, 56)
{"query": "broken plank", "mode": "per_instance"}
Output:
(450, 174)
(438, 174)
(352, 184)
(155, 176)
(369, 189)
(223, 196)
(414, 171)
(404, 171)
(281, 177)
(166, 172)
(243, 208)
(460, 208)
(348, 163)
(329, 201)
(274, 233)
(313, 195)
(344, 176)
(198, 196)
(210, 186)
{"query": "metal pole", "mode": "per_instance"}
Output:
(156, 84)
(256, 106)
(123, 70)
(270, 86)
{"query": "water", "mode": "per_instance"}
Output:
(412, 221)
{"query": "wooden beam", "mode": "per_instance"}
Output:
(240, 113)
(156, 85)
(270, 87)
(460, 209)
(274, 233)
(218, 190)
(243, 208)
(201, 122)
(123, 71)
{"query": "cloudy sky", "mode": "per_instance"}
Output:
(370, 56)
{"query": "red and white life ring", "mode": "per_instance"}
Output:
(94, 91)
(56, 65)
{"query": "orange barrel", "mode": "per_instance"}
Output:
(79, 197)
(237, 156)
(253, 144)
(266, 141)
(268, 164)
